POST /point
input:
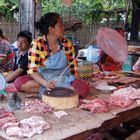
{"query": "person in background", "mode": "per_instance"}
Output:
(6, 54)
(106, 63)
(49, 56)
(20, 67)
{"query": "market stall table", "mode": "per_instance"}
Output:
(78, 123)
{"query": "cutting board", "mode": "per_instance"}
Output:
(61, 98)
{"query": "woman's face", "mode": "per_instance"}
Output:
(58, 29)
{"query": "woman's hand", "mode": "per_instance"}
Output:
(50, 84)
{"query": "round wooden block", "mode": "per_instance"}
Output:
(59, 101)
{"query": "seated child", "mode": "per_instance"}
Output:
(24, 39)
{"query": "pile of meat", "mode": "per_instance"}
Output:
(95, 105)
(124, 97)
(36, 106)
(120, 101)
(5, 117)
(129, 92)
(26, 127)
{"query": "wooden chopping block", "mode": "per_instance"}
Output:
(61, 98)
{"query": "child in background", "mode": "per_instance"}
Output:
(24, 39)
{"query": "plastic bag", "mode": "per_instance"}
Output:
(112, 43)
(93, 53)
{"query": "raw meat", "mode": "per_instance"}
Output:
(26, 127)
(12, 131)
(5, 117)
(36, 106)
(59, 114)
(129, 92)
(9, 124)
(95, 106)
(120, 101)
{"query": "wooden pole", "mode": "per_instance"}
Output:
(38, 13)
(135, 21)
(30, 11)
(127, 12)
(31, 18)
(24, 14)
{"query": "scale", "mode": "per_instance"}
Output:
(2, 84)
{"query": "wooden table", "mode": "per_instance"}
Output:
(79, 123)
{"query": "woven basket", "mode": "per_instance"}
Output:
(85, 69)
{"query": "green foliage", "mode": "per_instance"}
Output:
(85, 10)
(9, 7)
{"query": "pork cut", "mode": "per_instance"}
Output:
(36, 106)
(120, 101)
(95, 105)
(5, 117)
(130, 92)
(26, 127)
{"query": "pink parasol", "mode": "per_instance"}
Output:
(112, 43)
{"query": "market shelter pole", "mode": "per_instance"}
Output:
(30, 11)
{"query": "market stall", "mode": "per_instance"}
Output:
(78, 123)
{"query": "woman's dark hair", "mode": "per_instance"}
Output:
(25, 34)
(46, 21)
(2, 36)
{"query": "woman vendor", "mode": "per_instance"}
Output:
(49, 56)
